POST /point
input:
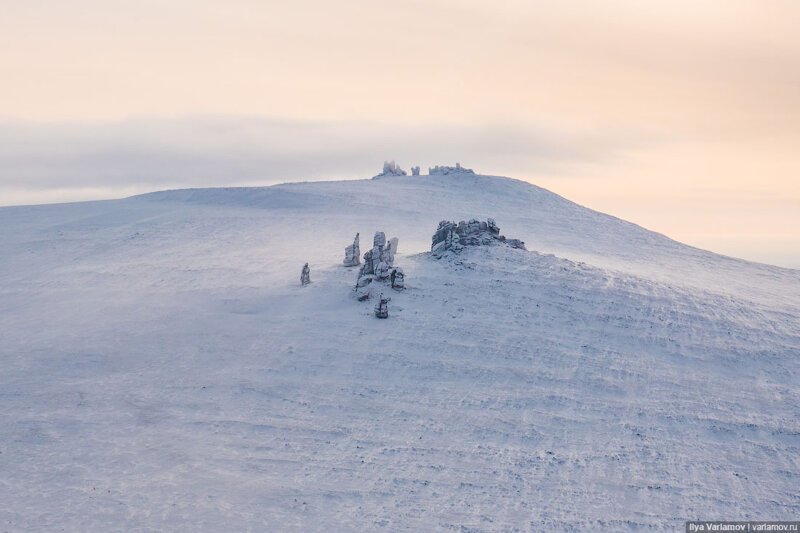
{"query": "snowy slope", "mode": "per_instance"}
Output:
(163, 370)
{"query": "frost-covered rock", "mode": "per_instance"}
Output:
(452, 237)
(352, 254)
(390, 168)
(364, 287)
(378, 264)
(380, 258)
(390, 250)
(446, 238)
(305, 275)
(415, 171)
(382, 307)
(398, 279)
(382, 270)
(445, 170)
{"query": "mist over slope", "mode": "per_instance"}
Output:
(162, 368)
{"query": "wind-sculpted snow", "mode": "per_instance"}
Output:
(163, 369)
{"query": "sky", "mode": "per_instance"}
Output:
(682, 116)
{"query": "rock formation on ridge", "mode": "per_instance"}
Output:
(390, 168)
(445, 170)
(453, 237)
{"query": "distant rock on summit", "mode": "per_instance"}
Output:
(454, 237)
(445, 170)
(390, 168)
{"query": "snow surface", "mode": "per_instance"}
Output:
(162, 368)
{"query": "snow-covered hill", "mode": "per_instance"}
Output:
(162, 369)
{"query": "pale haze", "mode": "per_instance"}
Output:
(683, 117)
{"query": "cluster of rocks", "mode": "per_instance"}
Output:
(445, 170)
(452, 237)
(379, 266)
(390, 168)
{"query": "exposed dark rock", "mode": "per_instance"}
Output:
(305, 275)
(452, 237)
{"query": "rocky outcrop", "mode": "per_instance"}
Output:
(352, 254)
(305, 275)
(390, 168)
(452, 237)
(378, 264)
(445, 170)
(415, 171)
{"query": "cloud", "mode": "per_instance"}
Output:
(58, 160)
